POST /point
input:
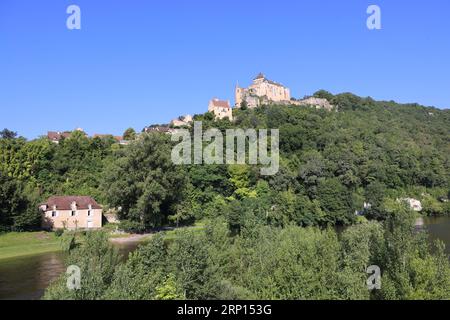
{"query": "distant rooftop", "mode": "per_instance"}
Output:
(102, 136)
(56, 135)
(65, 202)
(262, 76)
(220, 103)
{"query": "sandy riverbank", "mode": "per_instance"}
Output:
(131, 238)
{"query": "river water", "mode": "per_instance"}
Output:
(439, 228)
(26, 278)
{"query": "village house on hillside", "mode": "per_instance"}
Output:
(318, 103)
(103, 136)
(182, 121)
(260, 92)
(57, 136)
(414, 204)
(221, 109)
(71, 212)
(119, 139)
(159, 128)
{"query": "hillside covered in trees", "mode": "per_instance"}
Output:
(265, 237)
(331, 163)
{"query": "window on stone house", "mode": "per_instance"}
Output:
(53, 214)
(73, 213)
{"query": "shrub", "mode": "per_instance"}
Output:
(131, 226)
(59, 232)
(68, 241)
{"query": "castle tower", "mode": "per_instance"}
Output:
(238, 95)
(259, 78)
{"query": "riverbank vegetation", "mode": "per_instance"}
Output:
(30, 243)
(265, 262)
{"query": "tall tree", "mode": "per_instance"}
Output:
(8, 134)
(144, 183)
(129, 134)
(17, 212)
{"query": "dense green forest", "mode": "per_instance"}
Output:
(331, 163)
(265, 237)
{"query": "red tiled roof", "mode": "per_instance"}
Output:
(220, 103)
(65, 202)
(262, 76)
(53, 135)
(56, 136)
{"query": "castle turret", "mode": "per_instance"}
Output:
(259, 78)
(238, 95)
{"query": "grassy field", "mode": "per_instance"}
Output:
(27, 243)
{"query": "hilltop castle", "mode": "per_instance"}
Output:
(260, 92)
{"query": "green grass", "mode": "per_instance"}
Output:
(173, 234)
(15, 244)
(201, 223)
(110, 227)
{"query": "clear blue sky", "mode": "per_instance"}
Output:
(137, 62)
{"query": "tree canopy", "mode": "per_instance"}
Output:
(331, 163)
